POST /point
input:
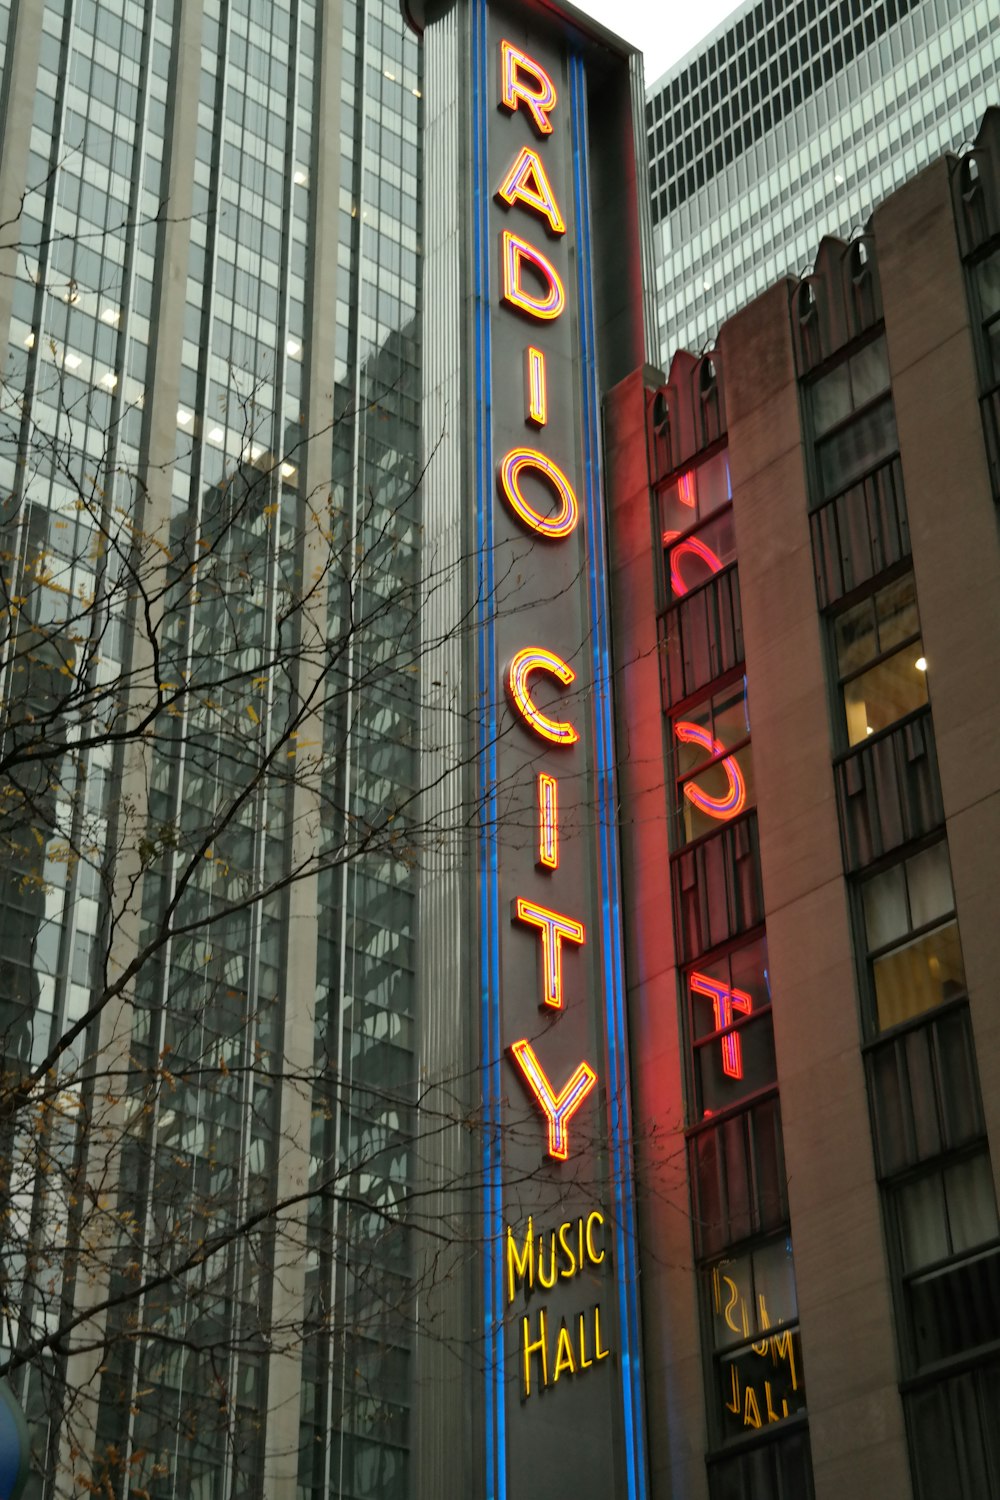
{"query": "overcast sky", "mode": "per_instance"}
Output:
(663, 29)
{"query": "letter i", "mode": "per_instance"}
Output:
(536, 386)
(548, 822)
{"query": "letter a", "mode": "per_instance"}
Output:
(527, 183)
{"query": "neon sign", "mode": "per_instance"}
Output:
(509, 475)
(550, 981)
(560, 1108)
(536, 659)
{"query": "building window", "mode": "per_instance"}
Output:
(948, 1233)
(987, 281)
(924, 1091)
(732, 1042)
(757, 1357)
(881, 666)
(713, 770)
(914, 949)
(692, 558)
(852, 418)
(737, 1174)
(695, 494)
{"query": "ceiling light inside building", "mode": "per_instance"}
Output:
(216, 435)
(71, 361)
(109, 380)
(29, 342)
(838, 179)
(301, 177)
(287, 470)
(293, 347)
(921, 664)
(110, 315)
(184, 417)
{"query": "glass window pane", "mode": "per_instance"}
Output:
(897, 613)
(923, 1229)
(857, 448)
(732, 1301)
(993, 348)
(918, 976)
(928, 879)
(748, 966)
(887, 692)
(714, 484)
(988, 281)
(869, 373)
(716, 794)
(855, 636)
(885, 907)
(972, 1210)
(734, 1064)
(831, 399)
(774, 1285)
(698, 557)
(956, 1308)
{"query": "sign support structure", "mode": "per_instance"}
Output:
(533, 306)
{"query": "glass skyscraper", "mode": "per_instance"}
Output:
(792, 120)
(210, 303)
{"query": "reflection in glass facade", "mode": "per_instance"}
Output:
(213, 337)
(790, 122)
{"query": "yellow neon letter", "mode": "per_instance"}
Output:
(564, 1355)
(509, 470)
(514, 252)
(548, 821)
(537, 659)
(526, 182)
(599, 1353)
(537, 1346)
(592, 1255)
(517, 71)
(560, 1108)
(535, 384)
(553, 927)
(522, 1265)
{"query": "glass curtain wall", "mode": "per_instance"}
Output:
(218, 422)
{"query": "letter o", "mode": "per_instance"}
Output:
(509, 471)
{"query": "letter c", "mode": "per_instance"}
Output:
(592, 1255)
(537, 659)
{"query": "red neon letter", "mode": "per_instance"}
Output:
(514, 252)
(558, 1109)
(553, 928)
(535, 383)
(527, 183)
(548, 821)
(509, 470)
(724, 1001)
(517, 71)
(715, 807)
(697, 549)
(537, 659)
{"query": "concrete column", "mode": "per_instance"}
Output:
(956, 562)
(675, 1394)
(848, 1343)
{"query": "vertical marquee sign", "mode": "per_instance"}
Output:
(562, 1401)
